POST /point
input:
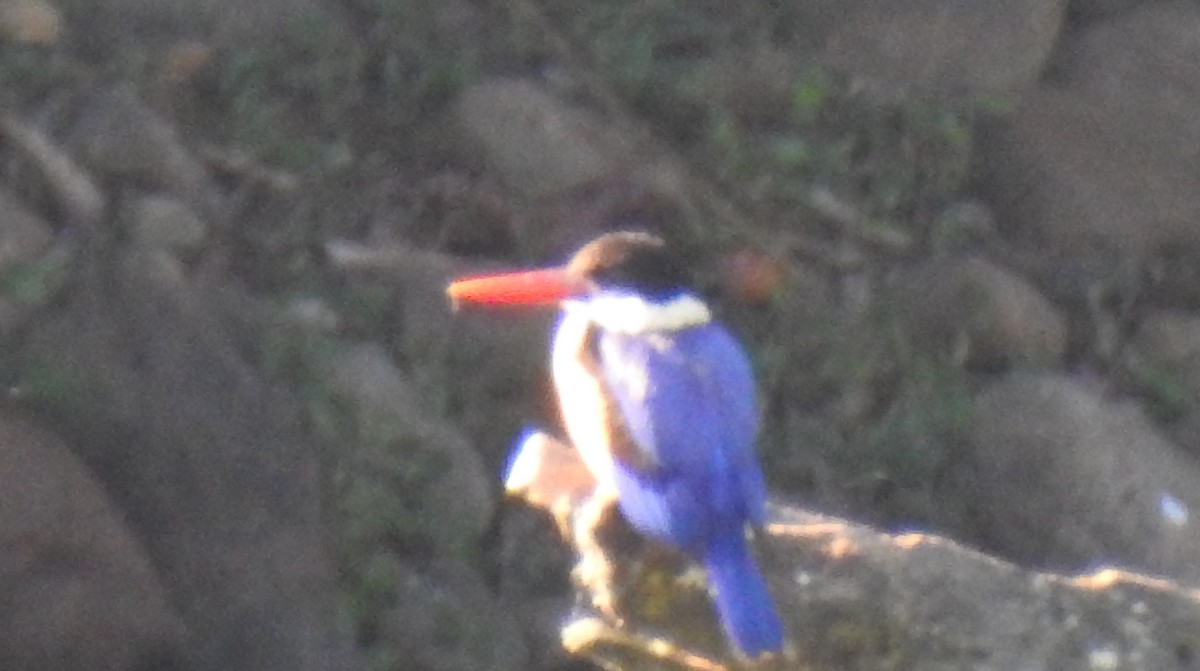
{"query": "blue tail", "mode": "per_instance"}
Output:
(744, 605)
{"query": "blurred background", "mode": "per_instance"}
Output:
(243, 429)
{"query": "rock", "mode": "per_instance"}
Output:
(413, 477)
(485, 367)
(209, 463)
(1169, 342)
(32, 284)
(540, 145)
(852, 597)
(575, 174)
(1090, 10)
(164, 222)
(946, 46)
(313, 314)
(1162, 362)
(449, 621)
(31, 271)
(1171, 277)
(492, 366)
(78, 201)
(78, 590)
(1108, 153)
(963, 226)
(23, 234)
(982, 314)
(228, 22)
(1061, 172)
(532, 579)
(34, 21)
(864, 599)
(1146, 61)
(117, 135)
(1056, 475)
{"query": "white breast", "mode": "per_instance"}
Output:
(581, 395)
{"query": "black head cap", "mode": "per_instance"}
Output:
(635, 261)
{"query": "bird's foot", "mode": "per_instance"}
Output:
(595, 571)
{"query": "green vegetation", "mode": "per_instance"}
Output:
(1166, 394)
(35, 281)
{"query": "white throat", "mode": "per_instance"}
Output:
(629, 314)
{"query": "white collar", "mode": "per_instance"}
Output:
(633, 315)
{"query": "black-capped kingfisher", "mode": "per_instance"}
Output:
(659, 400)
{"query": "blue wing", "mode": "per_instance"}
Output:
(687, 400)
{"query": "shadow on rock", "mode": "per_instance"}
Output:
(76, 590)
(210, 464)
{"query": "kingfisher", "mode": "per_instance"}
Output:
(659, 400)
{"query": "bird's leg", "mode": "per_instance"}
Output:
(549, 474)
(594, 572)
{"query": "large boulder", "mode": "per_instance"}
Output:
(946, 46)
(1106, 151)
(540, 145)
(1056, 475)
(78, 591)
(982, 314)
(209, 462)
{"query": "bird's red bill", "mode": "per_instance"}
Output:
(534, 287)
